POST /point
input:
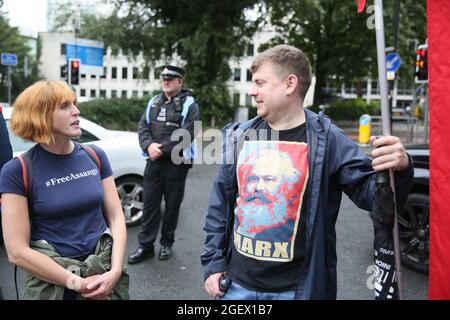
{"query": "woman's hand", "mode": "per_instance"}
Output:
(100, 287)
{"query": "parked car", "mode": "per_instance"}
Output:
(413, 220)
(124, 154)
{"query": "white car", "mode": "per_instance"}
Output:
(124, 154)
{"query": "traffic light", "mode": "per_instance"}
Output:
(74, 71)
(421, 71)
(64, 72)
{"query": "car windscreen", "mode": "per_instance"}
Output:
(86, 136)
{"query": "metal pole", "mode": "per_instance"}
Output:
(382, 77)
(393, 83)
(25, 67)
(9, 85)
(395, 24)
(386, 122)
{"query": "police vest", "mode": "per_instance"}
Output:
(174, 118)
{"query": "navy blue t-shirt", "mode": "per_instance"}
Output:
(66, 197)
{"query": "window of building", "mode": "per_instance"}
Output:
(113, 93)
(124, 73)
(146, 72)
(92, 93)
(237, 74)
(250, 49)
(93, 76)
(124, 94)
(236, 99)
(83, 75)
(375, 89)
(102, 93)
(156, 73)
(104, 73)
(134, 93)
(63, 49)
(248, 100)
(135, 73)
(249, 76)
(145, 93)
(113, 73)
(82, 92)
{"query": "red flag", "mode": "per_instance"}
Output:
(361, 4)
(438, 26)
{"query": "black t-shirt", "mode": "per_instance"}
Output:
(269, 224)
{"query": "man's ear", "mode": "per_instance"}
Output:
(291, 84)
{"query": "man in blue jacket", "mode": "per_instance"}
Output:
(270, 226)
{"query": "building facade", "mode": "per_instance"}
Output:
(127, 77)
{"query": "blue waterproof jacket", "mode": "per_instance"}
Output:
(336, 164)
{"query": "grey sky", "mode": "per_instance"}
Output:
(29, 15)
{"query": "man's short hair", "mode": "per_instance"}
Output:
(32, 115)
(287, 60)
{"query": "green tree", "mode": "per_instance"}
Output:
(341, 43)
(202, 33)
(331, 33)
(412, 31)
(12, 42)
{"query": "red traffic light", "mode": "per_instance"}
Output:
(421, 52)
(421, 68)
(75, 64)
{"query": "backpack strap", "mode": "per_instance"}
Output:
(27, 174)
(91, 153)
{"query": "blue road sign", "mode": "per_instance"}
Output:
(9, 59)
(393, 61)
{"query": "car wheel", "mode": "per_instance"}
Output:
(414, 232)
(130, 190)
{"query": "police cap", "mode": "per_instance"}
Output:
(168, 72)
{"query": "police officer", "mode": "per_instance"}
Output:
(167, 163)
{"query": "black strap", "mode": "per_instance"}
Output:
(15, 282)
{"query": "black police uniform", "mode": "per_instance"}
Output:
(162, 177)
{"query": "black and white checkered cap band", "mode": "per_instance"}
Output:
(172, 73)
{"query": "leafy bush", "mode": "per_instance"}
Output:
(116, 113)
(214, 102)
(124, 114)
(349, 109)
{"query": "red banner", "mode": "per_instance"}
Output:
(438, 26)
(361, 4)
